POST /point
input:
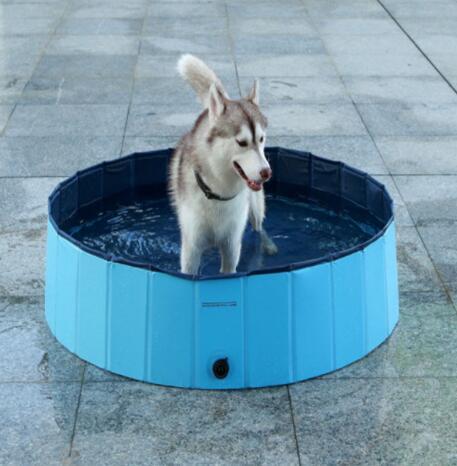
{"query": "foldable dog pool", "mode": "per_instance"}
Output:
(115, 296)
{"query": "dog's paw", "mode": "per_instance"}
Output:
(270, 248)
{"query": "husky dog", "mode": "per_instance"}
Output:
(217, 172)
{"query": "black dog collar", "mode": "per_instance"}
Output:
(207, 190)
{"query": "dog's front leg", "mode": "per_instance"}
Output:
(191, 254)
(230, 255)
(256, 216)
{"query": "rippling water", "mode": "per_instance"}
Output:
(146, 231)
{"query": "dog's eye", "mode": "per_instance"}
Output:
(242, 143)
(261, 139)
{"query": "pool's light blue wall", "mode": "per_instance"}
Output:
(273, 328)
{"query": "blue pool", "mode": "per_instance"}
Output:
(115, 296)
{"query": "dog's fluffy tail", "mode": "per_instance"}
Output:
(200, 76)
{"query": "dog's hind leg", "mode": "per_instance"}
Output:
(256, 216)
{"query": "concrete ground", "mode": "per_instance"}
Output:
(370, 82)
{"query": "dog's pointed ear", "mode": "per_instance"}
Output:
(216, 105)
(254, 94)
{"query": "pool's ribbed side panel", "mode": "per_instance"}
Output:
(375, 294)
(312, 304)
(267, 327)
(128, 294)
(219, 301)
(51, 277)
(349, 308)
(171, 331)
(273, 328)
(391, 276)
(92, 296)
(66, 293)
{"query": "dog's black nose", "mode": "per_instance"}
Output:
(265, 174)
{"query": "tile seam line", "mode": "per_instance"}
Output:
(52, 34)
(132, 87)
(405, 32)
(78, 404)
(294, 427)
(232, 47)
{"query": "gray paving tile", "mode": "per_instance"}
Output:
(274, 25)
(77, 90)
(430, 199)
(266, 10)
(37, 422)
(362, 44)
(23, 220)
(54, 155)
(12, 11)
(419, 155)
(415, 269)
(51, 120)
(289, 90)
(100, 26)
(17, 65)
(162, 90)
(96, 66)
(441, 240)
(402, 90)
(276, 44)
(368, 64)
(22, 259)
(143, 144)
(437, 43)
(402, 217)
(422, 344)
(95, 374)
(407, 120)
(285, 65)
(42, 359)
(93, 45)
(357, 151)
(5, 112)
(447, 64)
(185, 10)
(144, 424)
(353, 26)
(28, 26)
(313, 120)
(161, 120)
(378, 421)
(337, 9)
(196, 44)
(409, 9)
(429, 25)
(164, 66)
(11, 88)
(177, 26)
(24, 204)
(11, 46)
(106, 10)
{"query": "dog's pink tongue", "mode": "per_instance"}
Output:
(254, 185)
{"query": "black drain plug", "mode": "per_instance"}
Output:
(221, 368)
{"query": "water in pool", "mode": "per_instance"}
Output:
(146, 231)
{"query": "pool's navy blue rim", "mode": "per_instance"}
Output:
(268, 270)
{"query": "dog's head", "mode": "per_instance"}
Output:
(237, 134)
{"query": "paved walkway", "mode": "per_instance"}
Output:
(370, 82)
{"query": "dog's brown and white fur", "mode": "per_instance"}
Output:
(223, 155)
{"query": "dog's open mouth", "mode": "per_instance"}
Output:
(254, 185)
